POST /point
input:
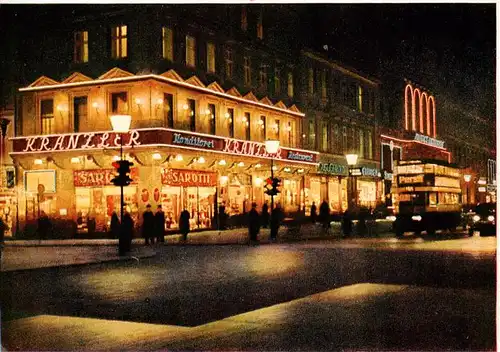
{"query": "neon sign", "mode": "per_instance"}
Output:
(426, 109)
(429, 140)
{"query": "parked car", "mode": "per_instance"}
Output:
(484, 220)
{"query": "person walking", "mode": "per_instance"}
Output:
(159, 224)
(148, 226)
(265, 215)
(347, 223)
(276, 219)
(324, 213)
(184, 224)
(115, 225)
(44, 226)
(253, 223)
(127, 233)
(313, 213)
(222, 216)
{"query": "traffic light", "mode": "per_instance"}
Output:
(123, 169)
(272, 185)
(276, 185)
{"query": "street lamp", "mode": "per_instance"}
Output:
(121, 124)
(467, 179)
(352, 160)
(272, 147)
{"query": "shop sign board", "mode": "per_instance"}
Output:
(355, 171)
(368, 171)
(411, 179)
(429, 140)
(333, 169)
(188, 178)
(99, 177)
(155, 137)
(388, 176)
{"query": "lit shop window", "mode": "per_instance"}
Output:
(119, 42)
(247, 70)
(81, 53)
(119, 103)
(167, 39)
(211, 57)
(228, 60)
(47, 115)
(190, 51)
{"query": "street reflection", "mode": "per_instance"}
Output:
(271, 261)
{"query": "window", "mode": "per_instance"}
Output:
(352, 139)
(324, 136)
(277, 82)
(244, 19)
(345, 147)
(119, 103)
(246, 125)
(167, 39)
(276, 129)
(79, 112)
(230, 121)
(360, 99)
(291, 134)
(361, 144)
(290, 84)
(190, 51)
(211, 57)
(81, 53)
(192, 115)
(263, 76)
(337, 142)
(260, 27)
(119, 42)
(323, 84)
(47, 116)
(211, 116)
(312, 134)
(370, 145)
(228, 58)
(262, 127)
(168, 111)
(247, 70)
(310, 80)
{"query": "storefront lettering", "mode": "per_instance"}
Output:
(186, 178)
(367, 171)
(256, 149)
(332, 168)
(300, 156)
(193, 141)
(98, 177)
(429, 140)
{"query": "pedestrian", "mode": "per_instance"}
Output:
(313, 213)
(253, 223)
(347, 223)
(148, 225)
(127, 233)
(115, 225)
(3, 228)
(160, 224)
(276, 219)
(44, 226)
(184, 224)
(222, 216)
(265, 215)
(324, 213)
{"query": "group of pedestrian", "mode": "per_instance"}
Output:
(325, 219)
(124, 231)
(153, 225)
(255, 221)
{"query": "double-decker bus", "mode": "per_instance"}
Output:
(427, 195)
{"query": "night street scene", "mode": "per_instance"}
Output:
(248, 177)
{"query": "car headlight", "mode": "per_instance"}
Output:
(391, 218)
(476, 218)
(416, 217)
(491, 218)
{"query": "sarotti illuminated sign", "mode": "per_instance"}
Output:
(429, 140)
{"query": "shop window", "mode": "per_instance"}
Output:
(119, 42)
(262, 128)
(310, 81)
(11, 178)
(211, 57)
(81, 50)
(190, 51)
(168, 111)
(192, 114)
(312, 135)
(263, 76)
(361, 144)
(246, 125)
(247, 70)
(290, 84)
(119, 103)
(230, 122)
(228, 60)
(47, 116)
(324, 137)
(277, 81)
(212, 115)
(79, 112)
(167, 39)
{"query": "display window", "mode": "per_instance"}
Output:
(291, 194)
(337, 194)
(312, 193)
(367, 193)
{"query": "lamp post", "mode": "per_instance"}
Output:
(467, 179)
(352, 160)
(121, 125)
(272, 147)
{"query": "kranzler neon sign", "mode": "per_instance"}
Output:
(423, 109)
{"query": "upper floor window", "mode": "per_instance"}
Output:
(324, 136)
(323, 84)
(345, 147)
(337, 141)
(262, 127)
(192, 114)
(167, 39)
(244, 19)
(263, 76)
(260, 26)
(168, 111)
(310, 81)
(81, 53)
(228, 59)
(277, 81)
(360, 99)
(276, 129)
(190, 51)
(246, 125)
(47, 116)
(230, 121)
(247, 70)
(119, 42)
(361, 144)
(312, 134)
(119, 103)
(211, 116)
(211, 57)
(370, 145)
(290, 84)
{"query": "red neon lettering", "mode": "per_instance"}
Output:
(45, 143)
(29, 144)
(59, 143)
(104, 141)
(87, 144)
(73, 141)
(134, 138)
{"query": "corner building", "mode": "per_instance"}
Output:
(193, 147)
